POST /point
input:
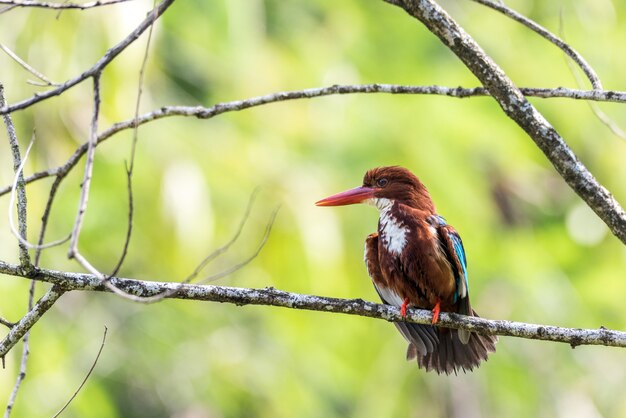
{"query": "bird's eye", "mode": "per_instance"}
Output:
(382, 182)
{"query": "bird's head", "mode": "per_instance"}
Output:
(382, 185)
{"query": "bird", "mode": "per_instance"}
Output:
(416, 259)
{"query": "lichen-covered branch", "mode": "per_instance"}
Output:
(19, 185)
(66, 281)
(519, 109)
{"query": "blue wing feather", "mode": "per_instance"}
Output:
(462, 284)
(459, 251)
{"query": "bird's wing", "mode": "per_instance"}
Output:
(422, 339)
(453, 247)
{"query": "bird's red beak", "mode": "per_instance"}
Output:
(349, 197)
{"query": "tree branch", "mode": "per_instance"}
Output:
(57, 6)
(549, 36)
(273, 297)
(130, 168)
(93, 366)
(26, 323)
(97, 67)
(602, 117)
(24, 360)
(237, 105)
(19, 184)
(6, 323)
(517, 107)
(46, 81)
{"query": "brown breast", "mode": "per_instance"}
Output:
(412, 261)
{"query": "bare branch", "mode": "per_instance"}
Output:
(6, 323)
(24, 242)
(226, 246)
(20, 185)
(24, 360)
(517, 107)
(86, 183)
(27, 67)
(131, 166)
(170, 293)
(273, 297)
(242, 264)
(209, 112)
(18, 175)
(20, 377)
(7, 8)
(73, 251)
(25, 324)
(49, 5)
(93, 366)
(97, 67)
(549, 36)
(604, 119)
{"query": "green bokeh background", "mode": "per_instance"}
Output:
(546, 259)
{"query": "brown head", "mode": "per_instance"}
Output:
(390, 183)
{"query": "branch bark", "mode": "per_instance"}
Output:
(65, 281)
(516, 107)
(20, 184)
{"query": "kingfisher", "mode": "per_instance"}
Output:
(416, 259)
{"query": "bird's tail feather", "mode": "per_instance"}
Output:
(446, 350)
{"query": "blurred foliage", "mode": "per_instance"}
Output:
(536, 253)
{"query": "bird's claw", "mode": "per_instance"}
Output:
(436, 311)
(405, 304)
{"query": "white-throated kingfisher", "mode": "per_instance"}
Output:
(417, 259)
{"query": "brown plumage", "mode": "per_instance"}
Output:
(416, 259)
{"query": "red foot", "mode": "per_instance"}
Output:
(403, 307)
(436, 310)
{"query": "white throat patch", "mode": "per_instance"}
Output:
(393, 233)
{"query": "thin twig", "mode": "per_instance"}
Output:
(213, 255)
(242, 264)
(93, 366)
(131, 165)
(519, 109)
(273, 297)
(86, 183)
(27, 67)
(45, 218)
(6, 323)
(20, 377)
(19, 186)
(595, 109)
(25, 353)
(549, 36)
(171, 293)
(64, 5)
(97, 67)
(30, 319)
(73, 252)
(7, 8)
(14, 230)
